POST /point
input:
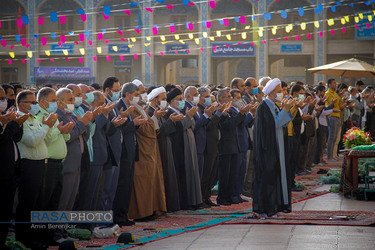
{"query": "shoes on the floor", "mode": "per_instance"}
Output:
(209, 202)
(246, 198)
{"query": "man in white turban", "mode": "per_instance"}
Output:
(271, 190)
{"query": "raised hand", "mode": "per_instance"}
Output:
(336, 110)
(176, 118)
(209, 110)
(191, 112)
(127, 112)
(221, 108)
(306, 117)
(253, 108)
(96, 112)
(21, 119)
(245, 109)
(107, 108)
(312, 103)
(139, 121)
(159, 113)
(334, 101)
(319, 108)
(228, 107)
(8, 117)
(118, 121)
(86, 118)
(299, 104)
(287, 104)
(65, 129)
(50, 121)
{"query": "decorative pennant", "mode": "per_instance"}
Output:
(343, 30)
(106, 41)
(27, 45)
(202, 49)
(138, 31)
(100, 36)
(11, 54)
(43, 39)
(226, 22)
(36, 36)
(25, 19)
(127, 12)
(190, 26)
(53, 16)
(185, 2)
(90, 43)
(107, 10)
(80, 59)
(155, 30)
(48, 53)
(53, 35)
(133, 4)
(11, 46)
(172, 28)
(87, 33)
(333, 8)
(332, 32)
(122, 57)
(135, 56)
(301, 11)
(105, 17)
(208, 24)
(65, 51)
(120, 32)
(66, 58)
(169, 7)
(214, 48)
(71, 33)
(63, 39)
(297, 37)
(242, 19)
(19, 23)
(161, 53)
(62, 19)
(267, 16)
(52, 60)
(188, 51)
(76, 42)
(38, 60)
(149, 54)
(83, 17)
(81, 37)
(10, 61)
(81, 11)
(30, 54)
(23, 41)
(284, 14)
(99, 50)
(321, 33)
(23, 60)
(94, 58)
(212, 4)
(18, 38)
(149, 9)
(82, 51)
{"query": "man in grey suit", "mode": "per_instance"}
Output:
(72, 162)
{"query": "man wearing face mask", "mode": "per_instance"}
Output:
(142, 92)
(10, 95)
(201, 120)
(31, 174)
(358, 106)
(271, 194)
(158, 101)
(75, 149)
(252, 90)
(184, 151)
(10, 133)
(130, 97)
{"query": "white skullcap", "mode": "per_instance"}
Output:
(271, 85)
(137, 82)
(155, 92)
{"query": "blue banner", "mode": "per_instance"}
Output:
(180, 48)
(291, 48)
(122, 49)
(364, 33)
(234, 50)
(56, 49)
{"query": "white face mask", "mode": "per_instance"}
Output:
(144, 97)
(135, 100)
(279, 97)
(3, 105)
(163, 104)
(69, 108)
(195, 100)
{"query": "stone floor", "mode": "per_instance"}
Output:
(282, 236)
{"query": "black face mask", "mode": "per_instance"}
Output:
(11, 103)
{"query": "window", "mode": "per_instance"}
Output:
(179, 20)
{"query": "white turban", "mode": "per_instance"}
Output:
(137, 82)
(155, 92)
(271, 85)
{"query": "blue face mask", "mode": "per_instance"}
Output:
(52, 107)
(34, 109)
(89, 98)
(115, 96)
(181, 104)
(207, 101)
(255, 91)
(78, 101)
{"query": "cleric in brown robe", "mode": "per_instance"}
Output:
(148, 195)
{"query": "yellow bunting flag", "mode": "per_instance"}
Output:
(233, 29)
(343, 21)
(229, 37)
(218, 33)
(330, 22)
(148, 38)
(133, 39)
(347, 18)
(212, 38)
(197, 41)
(48, 53)
(164, 42)
(177, 37)
(65, 51)
(191, 36)
(99, 49)
(360, 15)
(147, 44)
(356, 19)
(115, 48)
(247, 27)
(11, 54)
(162, 38)
(243, 35)
(303, 26)
(30, 54)
(182, 41)
(205, 34)
(82, 51)
(260, 32)
(130, 45)
(369, 17)
(316, 23)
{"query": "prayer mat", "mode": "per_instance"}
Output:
(332, 218)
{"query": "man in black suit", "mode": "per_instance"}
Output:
(228, 148)
(10, 133)
(130, 96)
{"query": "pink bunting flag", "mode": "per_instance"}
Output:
(106, 41)
(11, 46)
(108, 58)
(239, 43)
(23, 41)
(27, 46)
(169, 7)
(122, 57)
(94, 58)
(343, 30)
(128, 12)
(321, 33)
(149, 9)
(10, 61)
(80, 59)
(264, 41)
(60, 44)
(120, 32)
(39, 61)
(172, 28)
(0, 24)
(138, 31)
(135, 56)
(333, 32)
(161, 53)
(188, 51)
(90, 43)
(190, 26)
(66, 58)
(252, 43)
(242, 19)
(76, 42)
(214, 48)
(202, 49)
(309, 35)
(149, 54)
(43, 39)
(19, 23)
(356, 26)
(226, 22)
(40, 20)
(190, 4)
(123, 39)
(286, 38)
(23, 60)
(105, 17)
(208, 24)
(52, 60)
(227, 45)
(100, 36)
(212, 4)
(82, 37)
(63, 38)
(368, 25)
(154, 30)
(275, 40)
(62, 19)
(83, 17)
(297, 37)
(176, 52)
